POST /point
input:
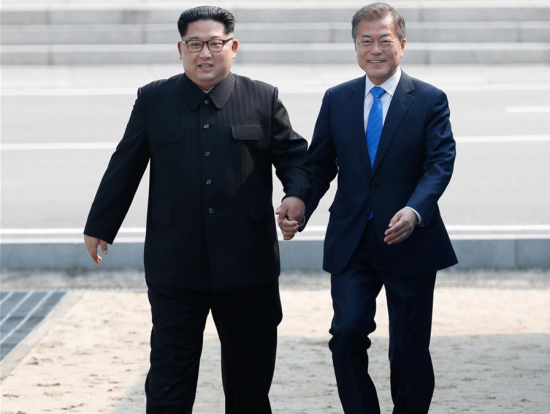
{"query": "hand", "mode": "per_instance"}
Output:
(92, 244)
(288, 227)
(290, 212)
(401, 226)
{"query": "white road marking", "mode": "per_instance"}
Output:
(58, 146)
(69, 92)
(60, 231)
(64, 240)
(528, 110)
(500, 227)
(284, 89)
(299, 238)
(136, 234)
(492, 87)
(502, 138)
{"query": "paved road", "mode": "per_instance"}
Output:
(500, 117)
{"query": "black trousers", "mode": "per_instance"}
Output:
(410, 304)
(246, 320)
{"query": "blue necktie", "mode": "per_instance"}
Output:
(374, 124)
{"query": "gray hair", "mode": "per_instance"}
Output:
(377, 11)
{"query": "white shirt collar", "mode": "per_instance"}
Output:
(389, 86)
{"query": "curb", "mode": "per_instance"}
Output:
(478, 253)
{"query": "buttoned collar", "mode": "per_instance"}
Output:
(219, 94)
(389, 86)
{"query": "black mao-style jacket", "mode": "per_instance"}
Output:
(210, 197)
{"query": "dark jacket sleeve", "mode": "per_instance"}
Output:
(121, 179)
(323, 156)
(289, 152)
(440, 152)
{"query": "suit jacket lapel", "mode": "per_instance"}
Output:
(357, 121)
(399, 106)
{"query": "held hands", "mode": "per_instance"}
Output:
(401, 226)
(291, 213)
(92, 243)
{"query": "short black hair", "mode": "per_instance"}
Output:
(214, 13)
(377, 11)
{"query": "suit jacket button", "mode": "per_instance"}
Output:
(210, 210)
(206, 126)
(207, 154)
(208, 182)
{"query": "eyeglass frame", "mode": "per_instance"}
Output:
(207, 45)
(367, 48)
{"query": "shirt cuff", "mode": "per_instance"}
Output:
(420, 220)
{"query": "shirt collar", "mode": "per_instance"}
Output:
(219, 94)
(389, 86)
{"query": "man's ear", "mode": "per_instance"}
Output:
(180, 51)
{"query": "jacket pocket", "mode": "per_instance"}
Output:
(247, 132)
(167, 136)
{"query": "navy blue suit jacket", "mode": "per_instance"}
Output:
(413, 166)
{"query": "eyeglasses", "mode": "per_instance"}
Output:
(369, 44)
(214, 45)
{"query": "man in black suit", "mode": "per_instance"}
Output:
(212, 138)
(388, 138)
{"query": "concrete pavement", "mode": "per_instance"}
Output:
(489, 347)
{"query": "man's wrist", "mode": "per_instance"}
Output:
(419, 221)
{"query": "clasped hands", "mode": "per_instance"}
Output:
(399, 229)
(291, 211)
(290, 215)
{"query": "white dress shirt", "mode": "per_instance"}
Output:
(389, 86)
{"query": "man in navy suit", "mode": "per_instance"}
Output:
(388, 138)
